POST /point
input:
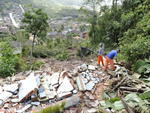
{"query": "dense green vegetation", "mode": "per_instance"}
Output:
(125, 26)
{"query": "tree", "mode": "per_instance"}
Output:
(93, 6)
(36, 24)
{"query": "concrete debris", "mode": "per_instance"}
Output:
(28, 86)
(35, 103)
(90, 85)
(83, 67)
(24, 108)
(90, 67)
(65, 88)
(10, 88)
(41, 88)
(5, 95)
(92, 110)
(54, 78)
(80, 83)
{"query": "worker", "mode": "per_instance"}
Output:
(110, 59)
(100, 54)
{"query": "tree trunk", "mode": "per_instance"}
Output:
(32, 46)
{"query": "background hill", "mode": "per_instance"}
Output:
(52, 7)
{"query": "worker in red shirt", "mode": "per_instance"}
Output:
(110, 59)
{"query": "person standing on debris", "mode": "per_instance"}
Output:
(110, 59)
(101, 53)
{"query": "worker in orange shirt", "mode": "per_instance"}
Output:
(110, 59)
(100, 54)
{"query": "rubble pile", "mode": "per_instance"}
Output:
(81, 89)
(37, 89)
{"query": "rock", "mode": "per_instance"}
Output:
(90, 85)
(90, 67)
(65, 88)
(5, 95)
(80, 83)
(71, 101)
(27, 87)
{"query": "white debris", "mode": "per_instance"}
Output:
(11, 88)
(80, 83)
(83, 67)
(24, 108)
(27, 86)
(65, 87)
(5, 95)
(14, 100)
(90, 67)
(90, 85)
(51, 94)
(75, 91)
(54, 78)
(35, 103)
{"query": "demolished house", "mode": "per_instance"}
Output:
(34, 90)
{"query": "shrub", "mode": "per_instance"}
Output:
(53, 109)
(142, 67)
(62, 56)
(41, 51)
(36, 65)
(8, 61)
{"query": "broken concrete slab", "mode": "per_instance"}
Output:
(28, 86)
(90, 85)
(14, 100)
(51, 94)
(65, 87)
(42, 93)
(91, 67)
(83, 67)
(5, 95)
(80, 83)
(53, 79)
(64, 94)
(25, 108)
(35, 103)
(11, 88)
